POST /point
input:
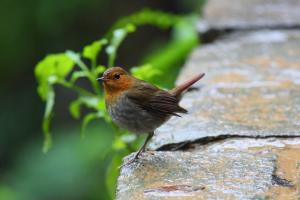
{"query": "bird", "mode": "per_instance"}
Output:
(139, 106)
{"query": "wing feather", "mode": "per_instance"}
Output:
(154, 100)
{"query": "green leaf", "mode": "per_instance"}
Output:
(156, 18)
(145, 72)
(74, 108)
(117, 38)
(101, 104)
(7, 193)
(77, 75)
(91, 51)
(92, 102)
(75, 57)
(100, 69)
(118, 144)
(87, 119)
(49, 71)
(47, 120)
(169, 58)
(52, 68)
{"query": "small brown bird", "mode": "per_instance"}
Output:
(138, 106)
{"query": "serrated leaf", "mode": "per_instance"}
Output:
(48, 71)
(54, 64)
(52, 68)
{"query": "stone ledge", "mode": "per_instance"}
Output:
(241, 138)
(246, 14)
(251, 88)
(231, 169)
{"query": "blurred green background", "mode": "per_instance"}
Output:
(74, 168)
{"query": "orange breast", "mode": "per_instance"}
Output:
(114, 90)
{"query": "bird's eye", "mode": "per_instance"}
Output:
(117, 76)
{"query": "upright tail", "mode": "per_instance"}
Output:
(179, 89)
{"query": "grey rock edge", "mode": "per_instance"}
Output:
(251, 89)
(247, 14)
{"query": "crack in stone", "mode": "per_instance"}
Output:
(213, 34)
(186, 145)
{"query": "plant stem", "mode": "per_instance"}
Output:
(90, 73)
(111, 59)
(76, 88)
(94, 64)
(94, 83)
(82, 66)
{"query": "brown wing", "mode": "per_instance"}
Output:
(155, 100)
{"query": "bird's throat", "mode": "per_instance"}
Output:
(112, 95)
(113, 92)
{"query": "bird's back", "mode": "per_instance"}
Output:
(143, 108)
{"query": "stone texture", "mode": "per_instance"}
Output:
(251, 88)
(251, 13)
(232, 169)
(241, 138)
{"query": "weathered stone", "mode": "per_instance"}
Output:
(232, 169)
(239, 14)
(241, 138)
(251, 88)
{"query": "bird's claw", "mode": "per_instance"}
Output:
(127, 163)
(135, 158)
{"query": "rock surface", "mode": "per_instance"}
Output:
(232, 169)
(251, 88)
(245, 14)
(241, 138)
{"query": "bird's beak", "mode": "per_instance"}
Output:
(101, 79)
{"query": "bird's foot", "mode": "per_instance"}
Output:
(135, 158)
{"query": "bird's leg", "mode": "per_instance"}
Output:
(142, 149)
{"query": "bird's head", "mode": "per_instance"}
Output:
(116, 80)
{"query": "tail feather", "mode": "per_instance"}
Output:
(179, 89)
